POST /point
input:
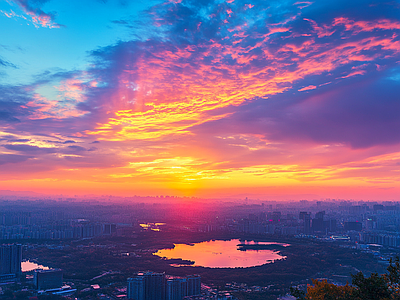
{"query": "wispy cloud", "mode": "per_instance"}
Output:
(228, 93)
(33, 12)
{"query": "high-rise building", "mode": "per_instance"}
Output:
(276, 216)
(357, 226)
(136, 287)
(147, 286)
(10, 259)
(318, 223)
(48, 279)
(176, 288)
(155, 286)
(194, 285)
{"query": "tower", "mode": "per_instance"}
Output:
(48, 279)
(136, 287)
(147, 286)
(194, 285)
(10, 259)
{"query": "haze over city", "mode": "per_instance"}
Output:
(205, 98)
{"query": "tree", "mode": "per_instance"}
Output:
(322, 290)
(393, 278)
(374, 287)
(299, 294)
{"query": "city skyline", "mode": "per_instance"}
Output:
(201, 98)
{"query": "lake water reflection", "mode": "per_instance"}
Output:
(27, 266)
(223, 254)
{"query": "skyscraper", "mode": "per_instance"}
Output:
(193, 285)
(10, 259)
(136, 287)
(48, 279)
(176, 288)
(154, 286)
(147, 286)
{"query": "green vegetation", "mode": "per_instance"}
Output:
(374, 287)
(256, 295)
(82, 261)
(25, 295)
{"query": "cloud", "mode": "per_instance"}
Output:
(359, 114)
(12, 158)
(77, 148)
(32, 9)
(211, 56)
(276, 90)
(5, 63)
(7, 116)
(307, 88)
(11, 100)
(28, 148)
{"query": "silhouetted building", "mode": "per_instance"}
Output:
(276, 216)
(136, 288)
(253, 218)
(10, 259)
(378, 207)
(194, 285)
(48, 279)
(176, 288)
(330, 225)
(357, 226)
(318, 222)
(109, 228)
(302, 215)
(154, 286)
(371, 223)
(306, 217)
(318, 225)
(262, 217)
(149, 285)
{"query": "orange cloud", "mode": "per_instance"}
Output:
(169, 95)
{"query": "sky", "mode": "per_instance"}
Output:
(205, 98)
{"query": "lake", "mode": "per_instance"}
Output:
(27, 266)
(226, 254)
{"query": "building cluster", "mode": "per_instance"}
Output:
(363, 225)
(384, 238)
(11, 271)
(157, 286)
(10, 262)
(48, 279)
(16, 226)
(362, 222)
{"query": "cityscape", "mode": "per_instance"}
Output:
(199, 150)
(131, 251)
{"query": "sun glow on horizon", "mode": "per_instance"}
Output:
(188, 99)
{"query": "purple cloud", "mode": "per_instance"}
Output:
(39, 18)
(236, 76)
(12, 158)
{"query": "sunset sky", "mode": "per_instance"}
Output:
(207, 98)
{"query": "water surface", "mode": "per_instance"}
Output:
(27, 266)
(223, 254)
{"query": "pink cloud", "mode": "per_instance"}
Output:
(359, 26)
(38, 17)
(307, 88)
(160, 90)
